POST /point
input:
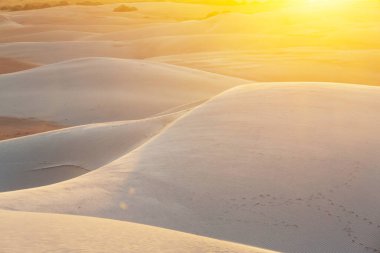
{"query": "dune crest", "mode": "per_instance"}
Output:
(26, 231)
(93, 90)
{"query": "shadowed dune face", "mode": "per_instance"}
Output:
(253, 136)
(52, 157)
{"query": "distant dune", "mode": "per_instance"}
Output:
(211, 172)
(48, 36)
(277, 41)
(287, 64)
(102, 89)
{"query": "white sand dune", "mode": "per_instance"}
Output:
(144, 48)
(44, 28)
(275, 39)
(75, 15)
(64, 50)
(287, 64)
(172, 45)
(212, 172)
(35, 233)
(230, 23)
(292, 167)
(224, 23)
(92, 90)
(59, 155)
(137, 49)
(278, 28)
(55, 35)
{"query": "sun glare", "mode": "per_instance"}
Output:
(327, 2)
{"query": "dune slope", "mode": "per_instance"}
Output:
(285, 166)
(35, 233)
(92, 90)
(59, 155)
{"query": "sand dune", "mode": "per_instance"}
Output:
(48, 36)
(266, 45)
(35, 233)
(64, 50)
(230, 23)
(59, 155)
(74, 15)
(139, 48)
(144, 48)
(101, 89)
(290, 166)
(211, 172)
(290, 64)
(224, 23)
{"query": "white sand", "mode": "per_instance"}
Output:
(59, 155)
(92, 90)
(48, 36)
(291, 167)
(288, 64)
(270, 165)
(36, 233)
(273, 40)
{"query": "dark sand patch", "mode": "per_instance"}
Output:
(16, 127)
(8, 65)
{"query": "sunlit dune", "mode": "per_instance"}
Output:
(28, 230)
(209, 171)
(190, 126)
(93, 90)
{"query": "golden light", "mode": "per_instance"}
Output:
(327, 3)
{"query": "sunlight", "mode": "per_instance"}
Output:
(327, 3)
